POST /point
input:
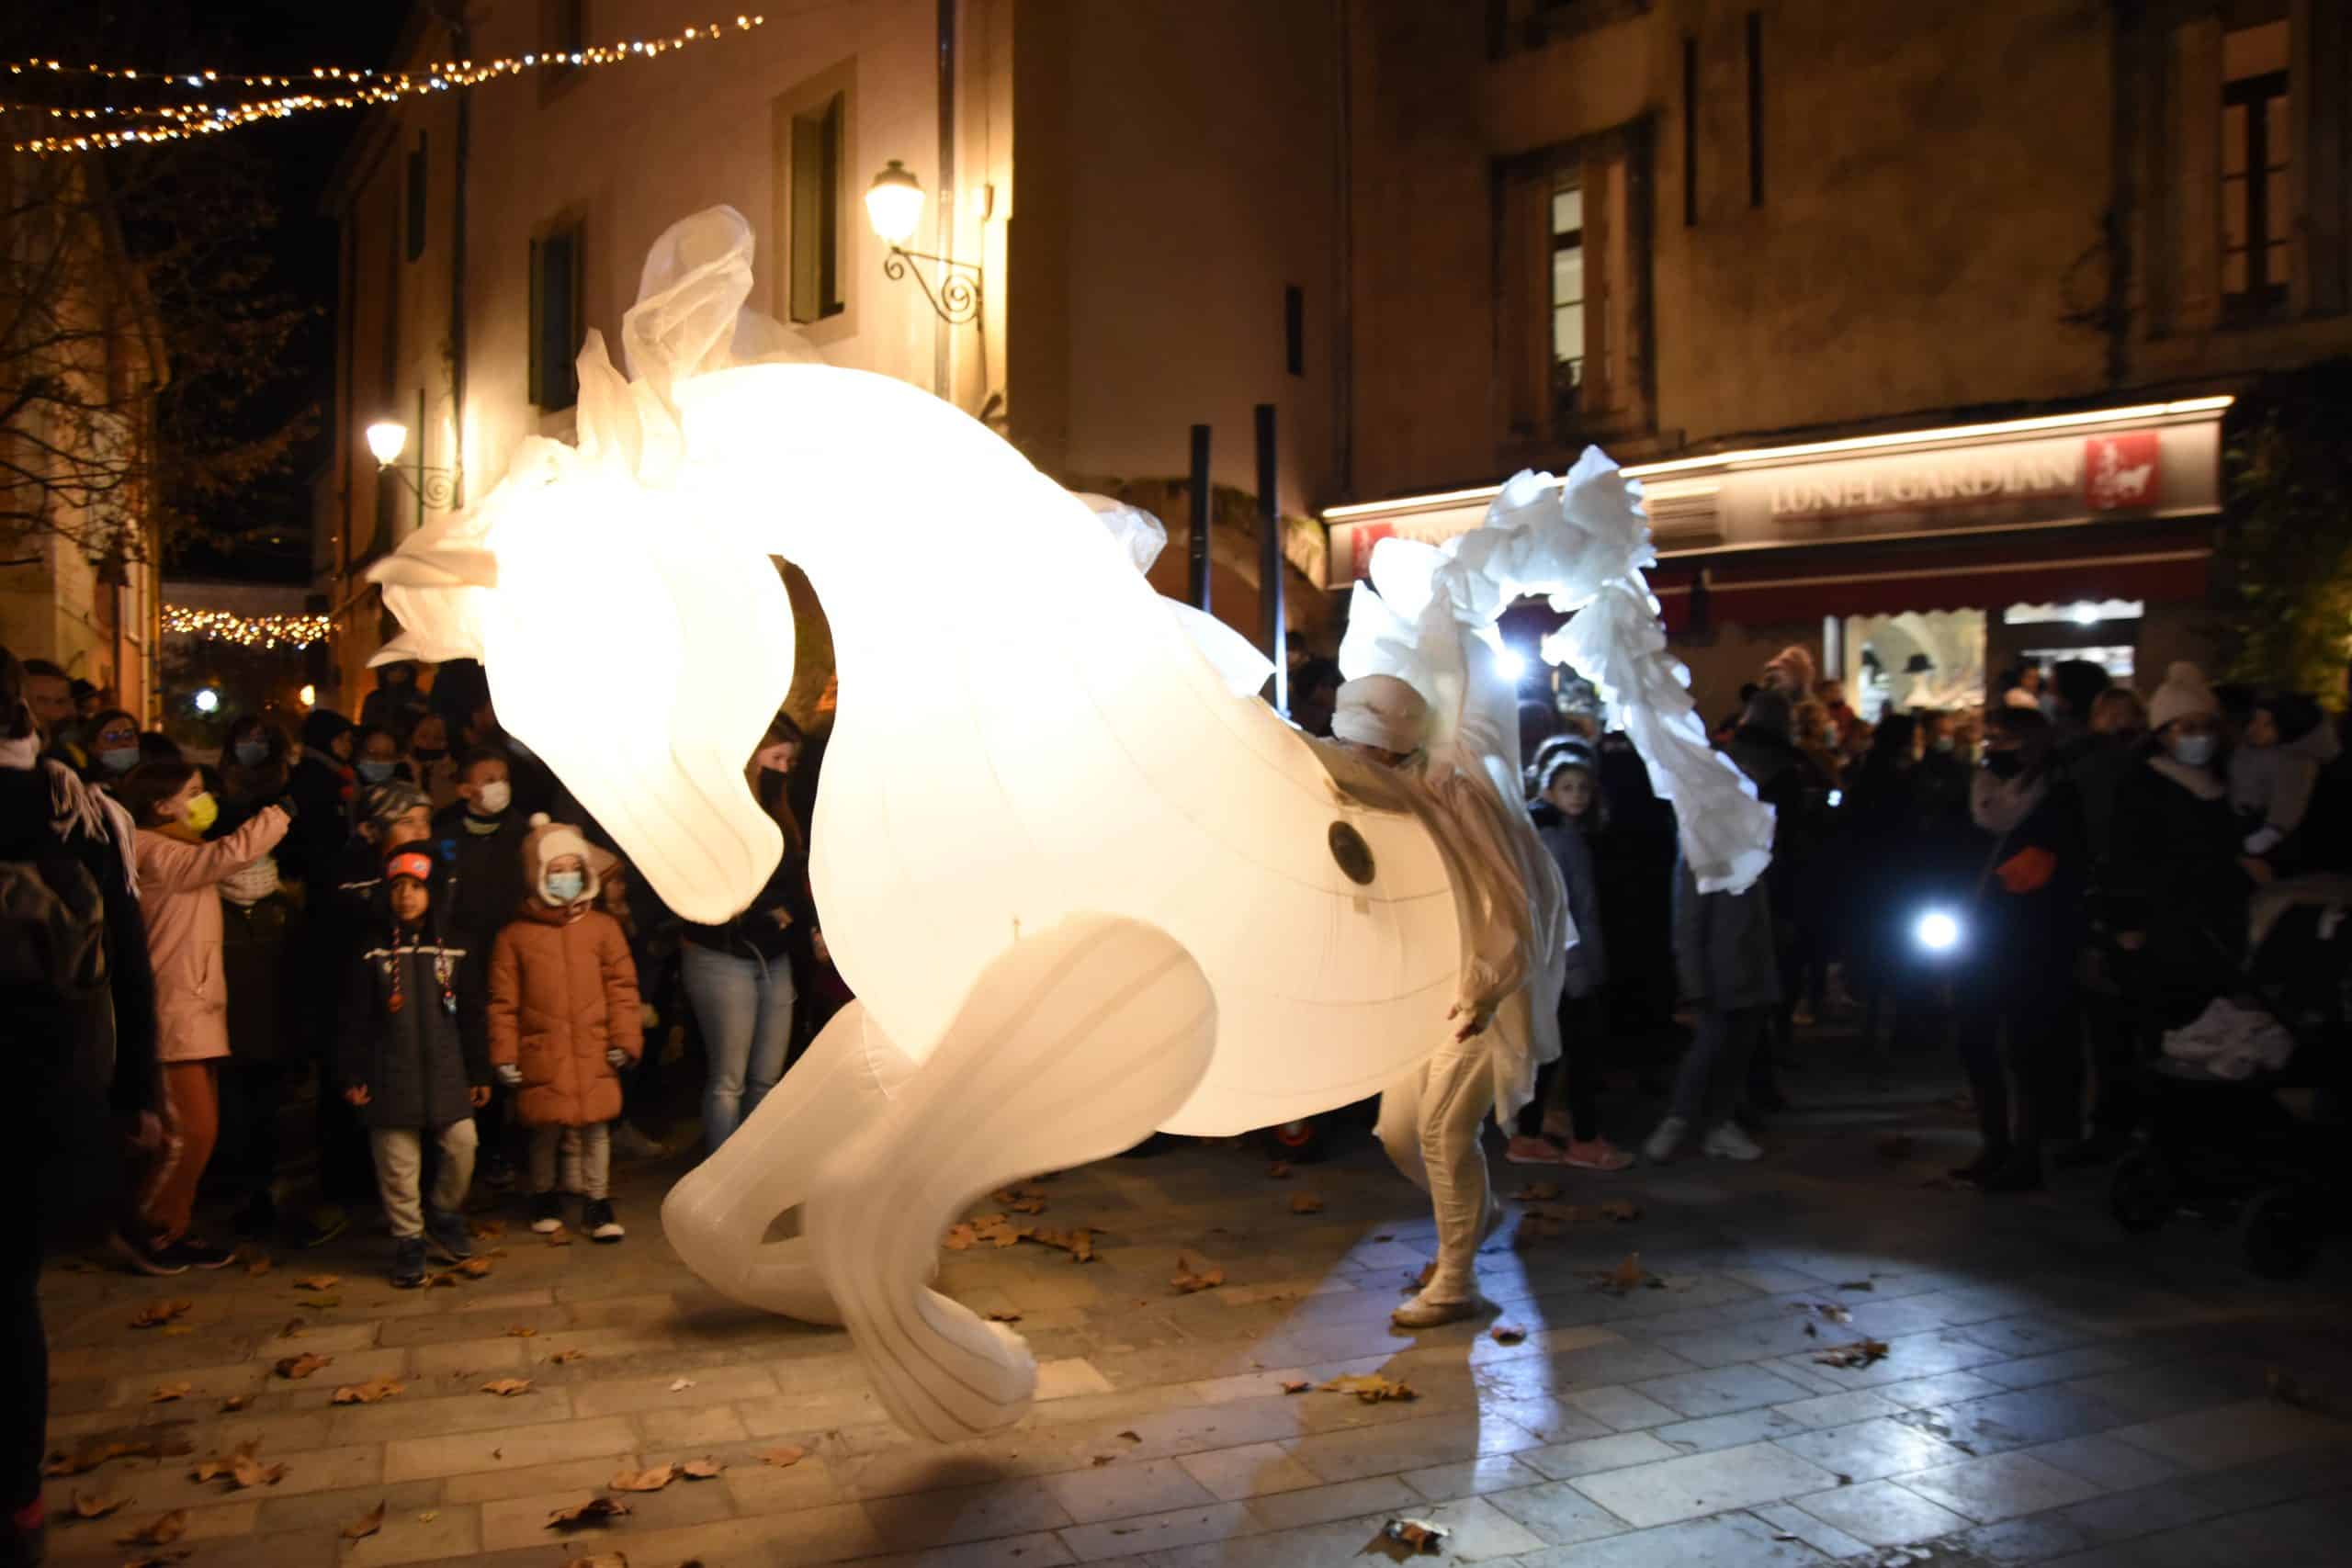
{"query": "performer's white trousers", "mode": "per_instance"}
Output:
(1430, 1124)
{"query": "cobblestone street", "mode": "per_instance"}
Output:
(2051, 1389)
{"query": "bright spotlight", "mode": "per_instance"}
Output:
(1510, 663)
(206, 700)
(1938, 931)
(309, 696)
(2087, 614)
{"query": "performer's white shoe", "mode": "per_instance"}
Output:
(1423, 1312)
(1665, 1141)
(1728, 1140)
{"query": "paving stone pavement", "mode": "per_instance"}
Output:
(2051, 1392)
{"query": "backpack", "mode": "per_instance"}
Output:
(53, 931)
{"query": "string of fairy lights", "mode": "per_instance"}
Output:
(109, 127)
(263, 632)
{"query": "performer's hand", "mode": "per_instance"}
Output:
(1473, 1024)
(479, 1095)
(356, 1094)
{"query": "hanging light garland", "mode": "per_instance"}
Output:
(263, 632)
(327, 87)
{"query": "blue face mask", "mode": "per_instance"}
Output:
(118, 758)
(564, 886)
(252, 753)
(374, 772)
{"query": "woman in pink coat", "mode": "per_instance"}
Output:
(179, 878)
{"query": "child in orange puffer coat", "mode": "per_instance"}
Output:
(564, 1020)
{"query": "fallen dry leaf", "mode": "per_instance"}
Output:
(680, 1385)
(293, 1329)
(1296, 1387)
(167, 1392)
(1629, 1274)
(1402, 1539)
(368, 1392)
(619, 1560)
(162, 1531)
(1305, 1203)
(1537, 1224)
(317, 1281)
(1004, 1317)
(507, 1388)
(520, 1331)
(652, 1480)
(442, 1280)
(475, 1267)
(1078, 1241)
(427, 1516)
(90, 1505)
(257, 1264)
(1860, 1353)
(1131, 1437)
(1188, 1281)
(1538, 1193)
(235, 1403)
(786, 1457)
(92, 1455)
(1101, 1460)
(1372, 1388)
(700, 1468)
(1506, 1334)
(246, 1470)
(367, 1524)
(1279, 1170)
(560, 1356)
(486, 1230)
(320, 1303)
(596, 1510)
(154, 1315)
(1829, 1311)
(300, 1366)
(558, 1237)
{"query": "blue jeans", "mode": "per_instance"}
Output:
(744, 1009)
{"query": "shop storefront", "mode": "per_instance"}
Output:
(1918, 564)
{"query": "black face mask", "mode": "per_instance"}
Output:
(429, 753)
(2005, 764)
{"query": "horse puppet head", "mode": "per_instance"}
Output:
(633, 639)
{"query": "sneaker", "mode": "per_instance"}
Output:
(408, 1262)
(1423, 1312)
(546, 1212)
(599, 1223)
(1532, 1150)
(1662, 1143)
(256, 1218)
(1726, 1141)
(325, 1222)
(445, 1235)
(194, 1253)
(1599, 1154)
(142, 1258)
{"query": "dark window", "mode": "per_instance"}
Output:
(816, 154)
(1567, 294)
(1294, 329)
(556, 326)
(2257, 148)
(419, 172)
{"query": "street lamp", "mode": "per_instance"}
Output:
(388, 439)
(893, 205)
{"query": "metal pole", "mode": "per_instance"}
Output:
(1270, 558)
(1197, 548)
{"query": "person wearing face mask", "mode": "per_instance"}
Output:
(2275, 786)
(739, 977)
(477, 839)
(2176, 895)
(179, 879)
(564, 964)
(429, 760)
(256, 924)
(375, 757)
(2015, 1000)
(395, 700)
(112, 739)
(253, 772)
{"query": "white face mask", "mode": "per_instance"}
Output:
(496, 797)
(2193, 751)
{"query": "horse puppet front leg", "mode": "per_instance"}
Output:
(1074, 1044)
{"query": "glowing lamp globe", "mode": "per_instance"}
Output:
(386, 438)
(308, 695)
(206, 700)
(1938, 931)
(893, 203)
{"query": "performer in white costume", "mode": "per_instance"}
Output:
(1513, 909)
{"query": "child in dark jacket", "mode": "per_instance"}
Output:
(1561, 1125)
(404, 1067)
(256, 917)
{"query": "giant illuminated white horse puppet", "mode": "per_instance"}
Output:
(1084, 884)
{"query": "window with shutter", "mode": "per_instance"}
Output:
(556, 318)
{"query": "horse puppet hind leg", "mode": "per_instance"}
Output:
(1074, 1044)
(718, 1213)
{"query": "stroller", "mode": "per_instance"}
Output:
(2238, 1133)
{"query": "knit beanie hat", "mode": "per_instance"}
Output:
(549, 841)
(2184, 694)
(392, 800)
(1383, 711)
